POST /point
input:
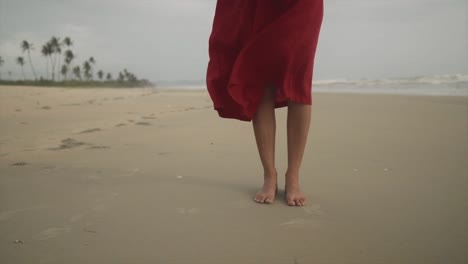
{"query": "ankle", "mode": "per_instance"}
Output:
(291, 174)
(270, 174)
(292, 179)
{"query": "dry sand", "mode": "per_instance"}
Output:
(145, 176)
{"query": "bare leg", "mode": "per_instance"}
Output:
(299, 116)
(264, 124)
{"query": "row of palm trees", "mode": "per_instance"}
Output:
(60, 63)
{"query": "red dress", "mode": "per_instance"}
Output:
(255, 43)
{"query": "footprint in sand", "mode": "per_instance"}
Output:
(22, 163)
(18, 110)
(130, 120)
(51, 233)
(46, 107)
(143, 123)
(72, 104)
(88, 230)
(7, 214)
(131, 172)
(76, 218)
(120, 124)
(98, 147)
(314, 210)
(91, 130)
(24, 123)
(48, 168)
(301, 223)
(26, 150)
(69, 143)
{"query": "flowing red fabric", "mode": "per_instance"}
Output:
(259, 43)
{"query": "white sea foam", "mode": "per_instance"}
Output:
(447, 84)
(435, 79)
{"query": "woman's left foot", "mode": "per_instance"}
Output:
(293, 194)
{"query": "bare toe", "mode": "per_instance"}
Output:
(258, 198)
(294, 196)
(303, 199)
(261, 199)
(299, 202)
(268, 191)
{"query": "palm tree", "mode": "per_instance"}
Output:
(92, 61)
(26, 46)
(47, 53)
(87, 70)
(100, 74)
(77, 72)
(69, 56)
(132, 77)
(57, 50)
(67, 42)
(126, 73)
(20, 61)
(121, 77)
(109, 76)
(64, 71)
(1, 63)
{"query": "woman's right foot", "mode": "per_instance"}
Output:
(268, 191)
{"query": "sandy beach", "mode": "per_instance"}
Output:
(152, 176)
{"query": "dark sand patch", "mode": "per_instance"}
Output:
(69, 143)
(143, 123)
(90, 130)
(149, 117)
(98, 147)
(21, 163)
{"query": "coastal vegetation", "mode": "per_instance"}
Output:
(62, 68)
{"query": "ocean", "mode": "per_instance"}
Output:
(436, 85)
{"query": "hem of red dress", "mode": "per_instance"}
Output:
(283, 102)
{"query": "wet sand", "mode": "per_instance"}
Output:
(150, 176)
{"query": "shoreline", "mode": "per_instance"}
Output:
(451, 92)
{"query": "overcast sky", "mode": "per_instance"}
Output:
(168, 39)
